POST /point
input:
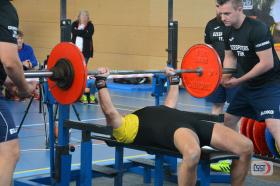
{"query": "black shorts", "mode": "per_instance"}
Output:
(8, 129)
(158, 124)
(8, 23)
(258, 103)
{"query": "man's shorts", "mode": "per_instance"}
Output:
(256, 103)
(8, 130)
(222, 95)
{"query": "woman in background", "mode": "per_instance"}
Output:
(82, 33)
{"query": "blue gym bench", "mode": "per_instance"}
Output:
(157, 167)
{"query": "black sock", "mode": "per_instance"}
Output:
(88, 96)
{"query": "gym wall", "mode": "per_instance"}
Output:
(129, 34)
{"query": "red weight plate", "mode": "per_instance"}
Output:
(205, 57)
(259, 137)
(249, 134)
(249, 127)
(71, 53)
(243, 125)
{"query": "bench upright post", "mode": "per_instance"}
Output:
(86, 159)
(119, 165)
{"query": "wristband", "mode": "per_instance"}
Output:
(100, 82)
(174, 80)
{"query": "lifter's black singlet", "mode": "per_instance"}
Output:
(157, 125)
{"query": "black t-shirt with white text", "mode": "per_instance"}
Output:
(8, 29)
(253, 36)
(8, 22)
(2, 2)
(214, 36)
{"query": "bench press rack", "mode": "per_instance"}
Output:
(60, 158)
(94, 131)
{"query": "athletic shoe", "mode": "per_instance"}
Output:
(93, 99)
(83, 99)
(221, 166)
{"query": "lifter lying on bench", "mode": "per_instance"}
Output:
(169, 128)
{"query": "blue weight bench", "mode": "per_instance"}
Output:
(154, 167)
(207, 156)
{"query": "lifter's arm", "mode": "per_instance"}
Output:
(172, 96)
(113, 117)
(173, 93)
(13, 68)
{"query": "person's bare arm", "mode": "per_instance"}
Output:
(113, 117)
(13, 68)
(173, 93)
(265, 64)
(10, 86)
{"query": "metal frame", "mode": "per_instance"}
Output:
(63, 7)
(172, 37)
(60, 159)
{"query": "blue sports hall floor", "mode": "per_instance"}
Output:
(34, 158)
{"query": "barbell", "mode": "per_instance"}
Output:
(201, 72)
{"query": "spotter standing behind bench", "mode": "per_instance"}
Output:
(166, 127)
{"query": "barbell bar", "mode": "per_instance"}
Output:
(198, 71)
(48, 73)
(38, 73)
(201, 72)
